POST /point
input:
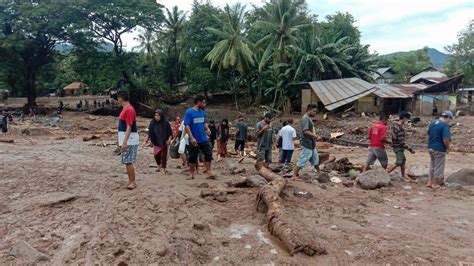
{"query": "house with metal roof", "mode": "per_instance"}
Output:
(429, 75)
(383, 75)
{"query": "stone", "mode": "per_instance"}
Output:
(395, 177)
(201, 227)
(220, 196)
(323, 178)
(256, 181)
(231, 165)
(24, 250)
(463, 177)
(374, 179)
(302, 194)
(348, 183)
(330, 166)
(203, 185)
(407, 187)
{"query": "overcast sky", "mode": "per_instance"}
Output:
(387, 25)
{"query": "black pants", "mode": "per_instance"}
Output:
(205, 148)
(239, 145)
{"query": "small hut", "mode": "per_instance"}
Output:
(76, 88)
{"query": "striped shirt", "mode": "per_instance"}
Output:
(398, 136)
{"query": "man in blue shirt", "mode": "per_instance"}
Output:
(198, 132)
(439, 138)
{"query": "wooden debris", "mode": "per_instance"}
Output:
(7, 140)
(323, 145)
(279, 224)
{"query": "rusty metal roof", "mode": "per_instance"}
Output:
(338, 92)
(390, 91)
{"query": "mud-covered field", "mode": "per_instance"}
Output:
(63, 201)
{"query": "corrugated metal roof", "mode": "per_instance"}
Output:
(337, 92)
(389, 91)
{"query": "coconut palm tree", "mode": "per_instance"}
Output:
(174, 24)
(282, 25)
(232, 52)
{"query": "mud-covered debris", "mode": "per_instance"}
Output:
(24, 250)
(302, 194)
(7, 140)
(89, 138)
(203, 185)
(463, 177)
(201, 227)
(323, 178)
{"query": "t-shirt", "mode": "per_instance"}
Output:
(128, 117)
(287, 134)
(242, 131)
(213, 130)
(196, 120)
(398, 136)
(376, 133)
(437, 132)
(265, 141)
(183, 133)
(307, 124)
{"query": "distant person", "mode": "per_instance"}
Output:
(198, 131)
(128, 136)
(176, 125)
(3, 122)
(265, 134)
(288, 136)
(107, 103)
(398, 143)
(60, 107)
(279, 143)
(241, 136)
(222, 139)
(439, 140)
(378, 139)
(86, 104)
(435, 110)
(183, 136)
(309, 152)
(161, 135)
(213, 135)
(95, 104)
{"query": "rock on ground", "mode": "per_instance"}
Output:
(374, 179)
(463, 177)
(23, 250)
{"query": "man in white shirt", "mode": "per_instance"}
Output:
(288, 136)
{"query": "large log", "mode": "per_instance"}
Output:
(278, 221)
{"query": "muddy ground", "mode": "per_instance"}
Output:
(66, 198)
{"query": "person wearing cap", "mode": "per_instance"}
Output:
(398, 143)
(439, 139)
(265, 139)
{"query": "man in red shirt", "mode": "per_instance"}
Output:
(378, 138)
(128, 136)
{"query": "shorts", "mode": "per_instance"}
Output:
(239, 145)
(308, 155)
(437, 163)
(129, 156)
(377, 154)
(400, 156)
(204, 148)
(265, 155)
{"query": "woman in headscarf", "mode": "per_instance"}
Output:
(222, 138)
(161, 135)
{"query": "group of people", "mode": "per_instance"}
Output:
(201, 136)
(439, 138)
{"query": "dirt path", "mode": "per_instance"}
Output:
(66, 198)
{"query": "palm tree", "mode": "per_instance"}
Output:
(282, 25)
(232, 51)
(174, 27)
(147, 41)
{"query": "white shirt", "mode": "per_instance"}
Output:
(184, 134)
(287, 134)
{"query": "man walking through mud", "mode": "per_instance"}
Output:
(399, 145)
(198, 132)
(128, 136)
(439, 138)
(308, 142)
(378, 139)
(265, 134)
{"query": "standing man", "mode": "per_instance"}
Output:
(398, 143)
(128, 136)
(288, 136)
(378, 138)
(265, 139)
(241, 136)
(198, 131)
(439, 138)
(308, 142)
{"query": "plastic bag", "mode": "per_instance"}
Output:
(182, 145)
(174, 149)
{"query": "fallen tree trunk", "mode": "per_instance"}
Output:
(278, 223)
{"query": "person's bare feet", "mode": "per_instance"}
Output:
(164, 171)
(132, 186)
(430, 183)
(435, 186)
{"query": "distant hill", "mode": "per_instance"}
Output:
(437, 58)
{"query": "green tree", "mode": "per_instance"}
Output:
(173, 33)
(407, 64)
(31, 30)
(232, 51)
(461, 60)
